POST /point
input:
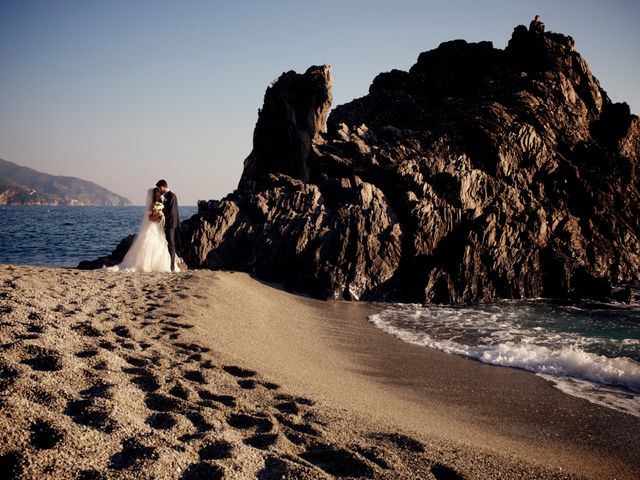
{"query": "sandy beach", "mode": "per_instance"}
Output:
(216, 375)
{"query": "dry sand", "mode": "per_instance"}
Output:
(216, 375)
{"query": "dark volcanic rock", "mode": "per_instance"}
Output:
(110, 260)
(294, 113)
(478, 174)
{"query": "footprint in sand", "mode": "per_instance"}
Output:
(144, 378)
(35, 328)
(227, 400)
(43, 359)
(153, 306)
(295, 427)
(163, 403)
(191, 347)
(107, 345)
(125, 344)
(238, 372)
(244, 421)
(180, 391)
(136, 361)
(300, 400)
(270, 385)
(27, 336)
(42, 397)
(208, 364)
(442, 472)
(203, 471)
(262, 441)
(99, 389)
(162, 421)
(87, 330)
(186, 326)
(122, 331)
(169, 329)
(279, 467)
(91, 413)
(199, 421)
(403, 441)
(194, 376)
(87, 353)
(288, 407)
(44, 435)
(337, 461)
(11, 464)
(91, 474)
(196, 357)
(216, 450)
(133, 453)
(247, 384)
(377, 455)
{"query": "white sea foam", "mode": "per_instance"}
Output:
(504, 335)
(614, 398)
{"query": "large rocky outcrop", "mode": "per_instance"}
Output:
(478, 174)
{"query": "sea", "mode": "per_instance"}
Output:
(62, 236)
(588, 350)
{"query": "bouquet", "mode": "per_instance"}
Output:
(157, 207)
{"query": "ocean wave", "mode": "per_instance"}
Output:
(613, 398)
(497, 335)
(570, 361)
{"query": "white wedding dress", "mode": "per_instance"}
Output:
(149, 251)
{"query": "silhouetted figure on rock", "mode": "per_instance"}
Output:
(536, 25)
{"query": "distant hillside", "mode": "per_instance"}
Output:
(25, 186)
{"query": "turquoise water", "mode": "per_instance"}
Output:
(587, 350)
(63, 236)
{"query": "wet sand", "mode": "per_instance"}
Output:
(331, 352)
(216, 375)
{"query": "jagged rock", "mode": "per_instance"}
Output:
(293, 115)
(478, 174)
(110, 260)
(289, 232)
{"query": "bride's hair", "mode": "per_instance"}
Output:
(156, 191)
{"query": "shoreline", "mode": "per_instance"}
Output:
(455, 398)
(156, 357)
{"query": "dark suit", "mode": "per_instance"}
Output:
(171, 222)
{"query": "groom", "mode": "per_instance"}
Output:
(171, 218)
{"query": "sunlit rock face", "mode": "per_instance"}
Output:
(479, 174)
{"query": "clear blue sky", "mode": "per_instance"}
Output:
(125, 92)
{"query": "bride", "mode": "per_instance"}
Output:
(149, 251)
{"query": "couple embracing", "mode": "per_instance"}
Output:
(154, 247)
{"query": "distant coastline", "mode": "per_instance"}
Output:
(71, 204)
(78, 205)
(24, 186)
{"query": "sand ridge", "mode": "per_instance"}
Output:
(103, 375)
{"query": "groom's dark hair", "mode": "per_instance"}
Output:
(162, 183)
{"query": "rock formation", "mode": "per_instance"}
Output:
(479, 174)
